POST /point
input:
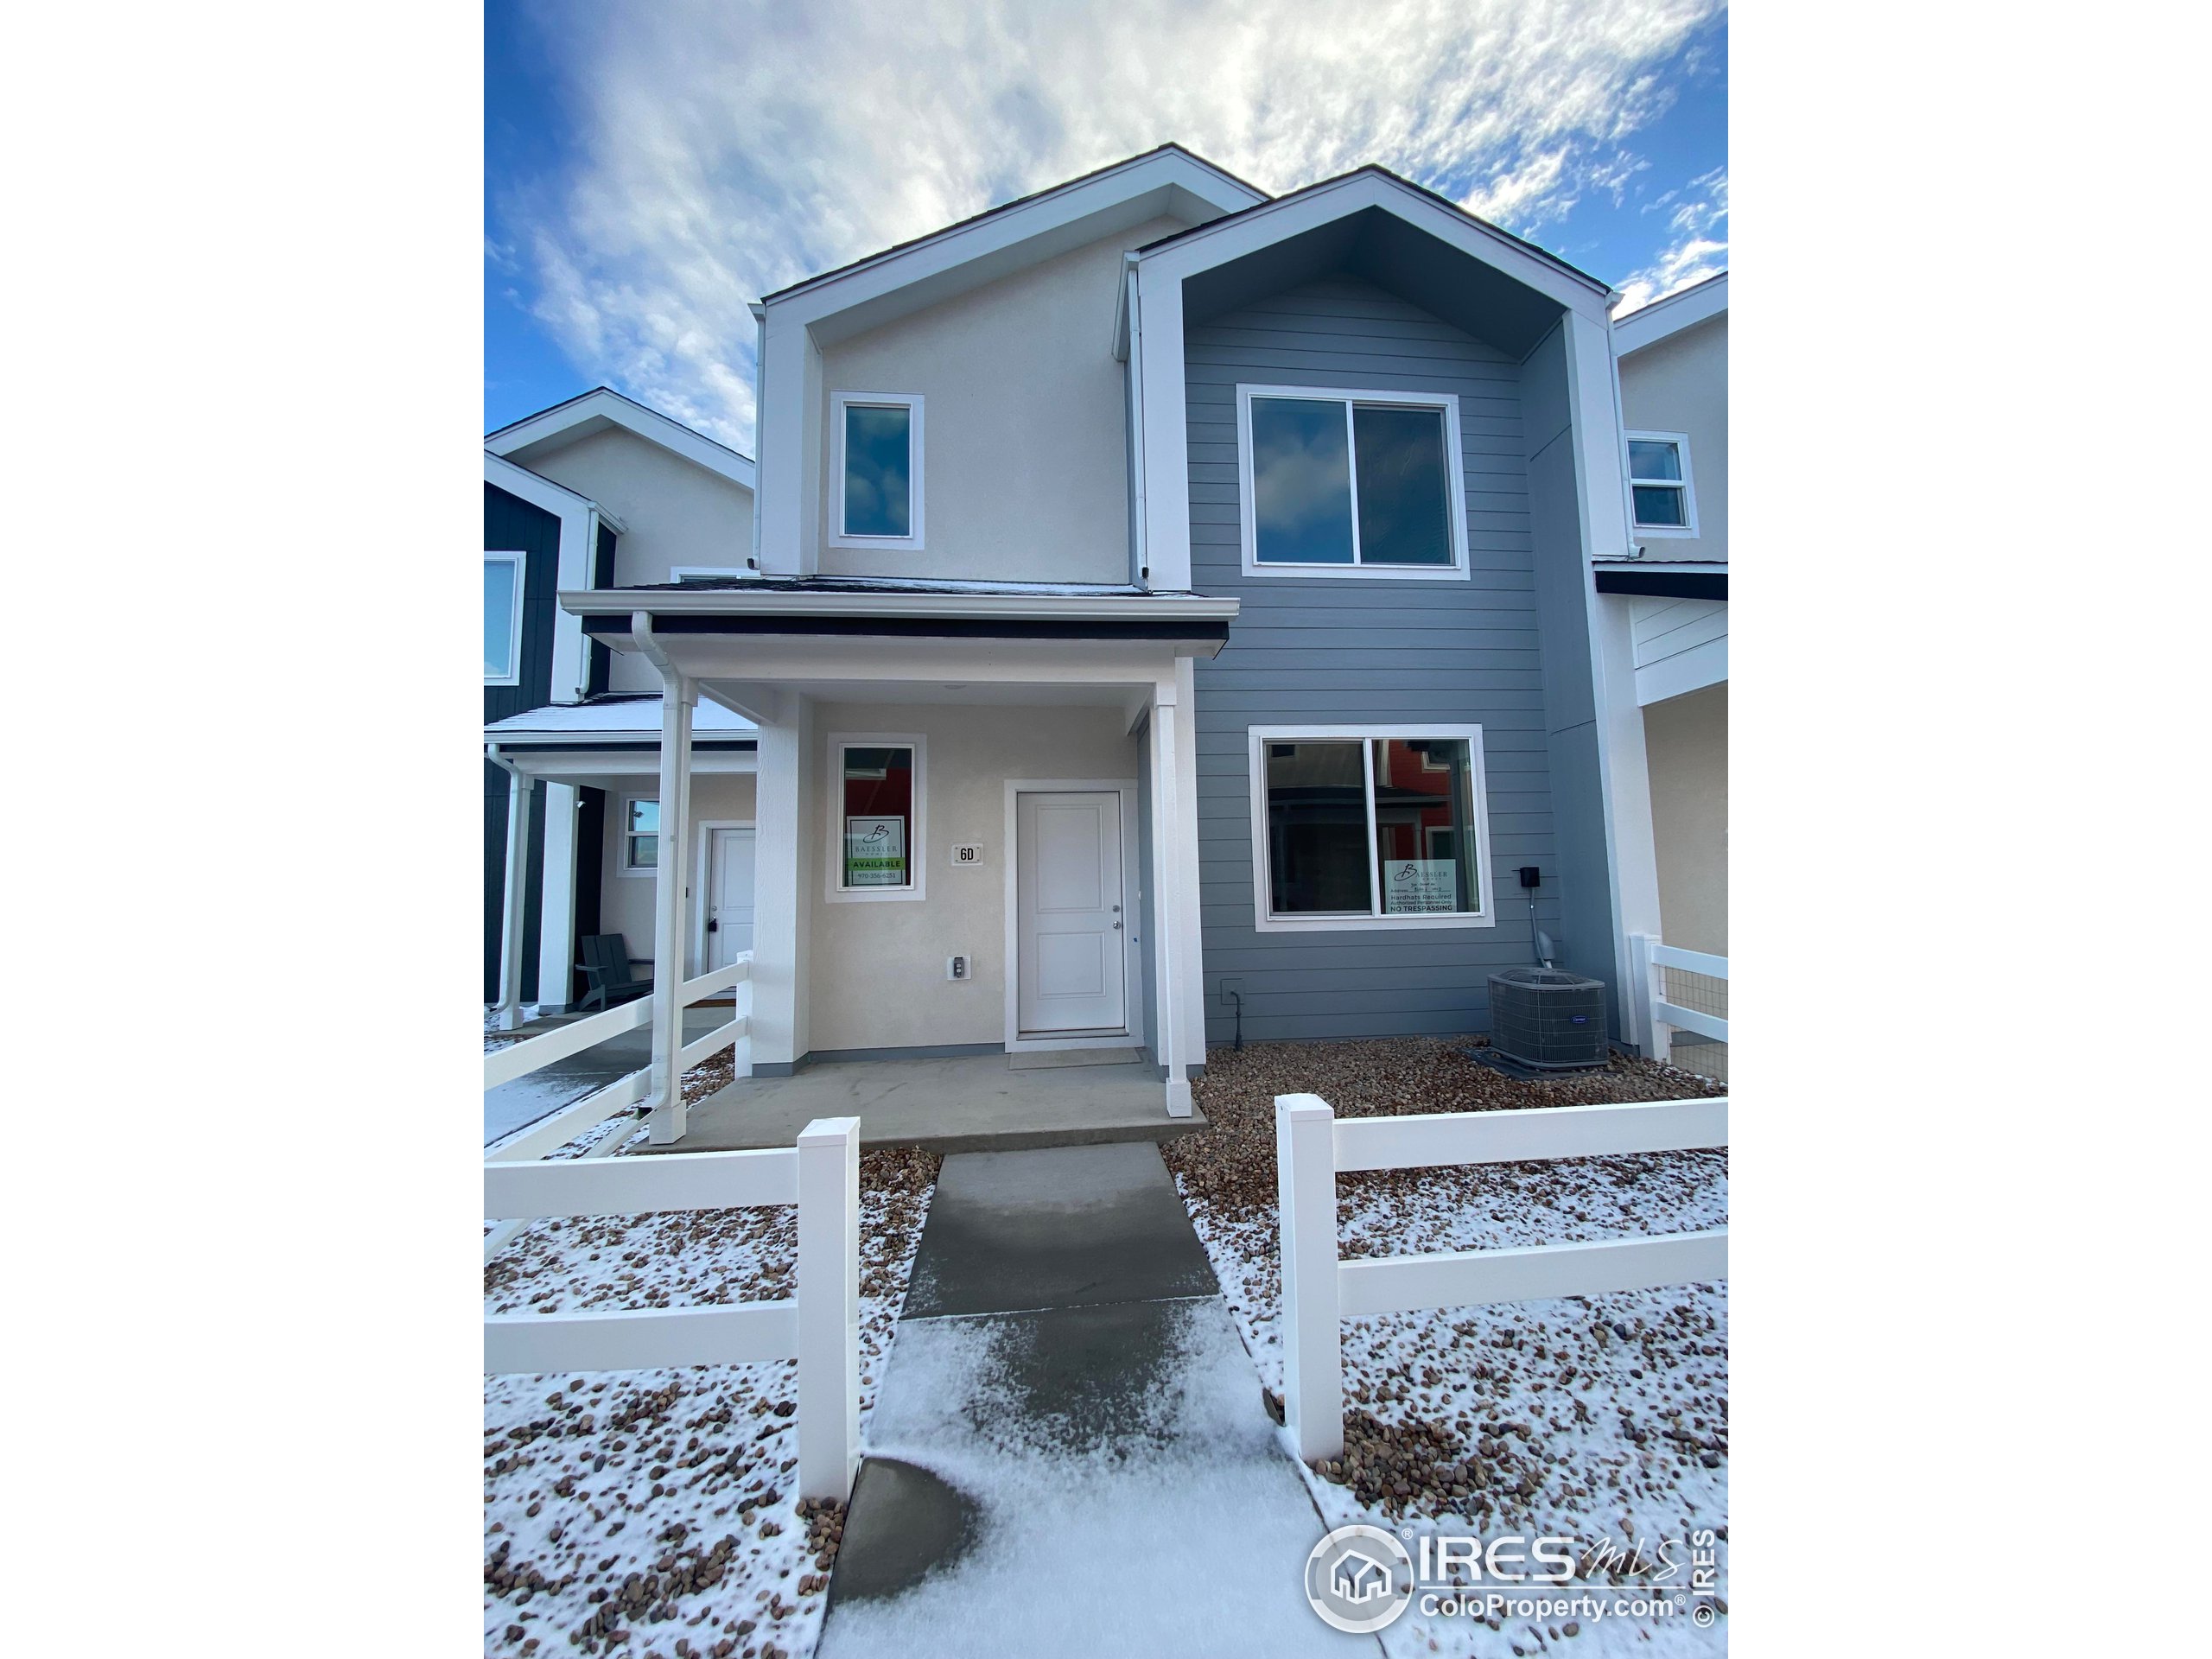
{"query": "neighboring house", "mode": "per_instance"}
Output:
(599, 491)
(1169, 606)
(1673, 596)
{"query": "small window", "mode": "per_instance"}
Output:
(1363, 827)
(1344, 483)
(503, 590)
(1659, 483)
(876, 823)
(879, 469)
(641, 836)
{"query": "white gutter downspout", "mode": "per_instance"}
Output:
(671, 893)
(519, 785)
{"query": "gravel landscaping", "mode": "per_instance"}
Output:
(653, 1512)
(1602, 1419)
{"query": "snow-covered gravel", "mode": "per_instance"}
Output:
(1602, 1419)
(653, 1512)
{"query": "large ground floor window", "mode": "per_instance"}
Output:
(1369, 826)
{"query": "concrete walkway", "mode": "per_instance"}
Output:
(1069, 1452)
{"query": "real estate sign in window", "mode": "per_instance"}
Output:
(878, 797)
(1356, 829)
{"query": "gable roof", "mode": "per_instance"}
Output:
(1025, 231)
(1376, 170)
(1685, 308)
(603, 407)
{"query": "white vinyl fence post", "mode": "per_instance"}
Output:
(1306, 1195)
(1650, 992)
(829, 1307)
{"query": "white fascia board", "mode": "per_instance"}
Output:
(1650, 324)
(734, 602)
(601, 408)
(967, 256)
(1262, 227)
(579, 518)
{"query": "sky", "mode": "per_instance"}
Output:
(652, 170)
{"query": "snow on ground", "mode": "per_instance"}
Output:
(654, 1512)
(1152, 1515)
(1604, 1420)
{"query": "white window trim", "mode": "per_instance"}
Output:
(1686, 531)
(838, 536)
(521, 563)
(918, 862)
(1456, 485)
(622, 865)
(1261, 736)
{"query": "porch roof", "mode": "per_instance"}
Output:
(613, 716)
(612, 741)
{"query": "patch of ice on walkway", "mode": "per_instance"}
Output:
(1184, 1532)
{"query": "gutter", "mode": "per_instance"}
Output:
(730, 601)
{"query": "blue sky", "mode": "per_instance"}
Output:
(649, 171)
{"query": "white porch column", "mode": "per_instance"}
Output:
(1170, 879)
(1189, 943)
(510, 916)
(557, 907)
(784, 871)
(671, 907)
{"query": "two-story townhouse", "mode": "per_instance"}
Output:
(1173, 607)
(1667, 601)
(599, 491)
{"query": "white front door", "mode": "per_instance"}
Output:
(1069, 928)
(729, 897)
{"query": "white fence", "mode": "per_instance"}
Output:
(520, 1059)
(1319, 1291)
(1652, 956)
(819, 1327)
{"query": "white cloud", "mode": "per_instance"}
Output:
(1700, 249)
(727, 149)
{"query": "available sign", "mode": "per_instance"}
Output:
(875, 852)
(1421, 886)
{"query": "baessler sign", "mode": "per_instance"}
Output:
(875, 852)
(1419, 887)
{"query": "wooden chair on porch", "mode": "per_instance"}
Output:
(607, 963)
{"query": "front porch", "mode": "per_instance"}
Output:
(969, 1102)
(974, 918)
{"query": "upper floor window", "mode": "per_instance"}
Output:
(1369, 827)
(1659, 484)
(1351, 483)
(876, 816)
(640, 834)
(502, 618)
(878, 469)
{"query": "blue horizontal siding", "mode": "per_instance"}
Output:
(1340, 651)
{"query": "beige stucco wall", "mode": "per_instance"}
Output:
(1681, 385)
(877, 969)
(1686, 744)
(626, 901)
(1025, 469)
(672, 512)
